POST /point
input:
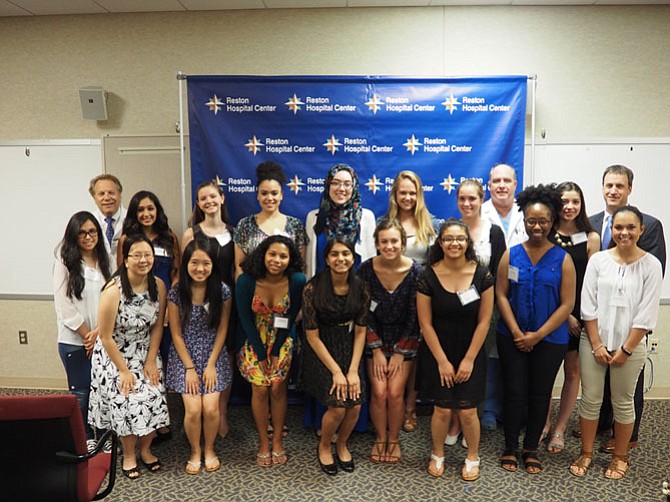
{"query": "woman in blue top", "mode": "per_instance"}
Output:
(535, 292)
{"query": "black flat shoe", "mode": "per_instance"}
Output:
(346, 466)
(330, 469)
(152, 466)
(162, 436)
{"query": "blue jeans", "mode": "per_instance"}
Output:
(78, 369)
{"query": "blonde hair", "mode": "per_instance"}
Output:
(425, 232)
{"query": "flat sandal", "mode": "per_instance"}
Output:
(581, 465)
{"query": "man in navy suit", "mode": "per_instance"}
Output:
(617, 187)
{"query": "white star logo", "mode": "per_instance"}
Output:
(449, 184)
(254, 144)
(332, 144)
(295, 185)
(373, 184)
(450, 104)
(214, 104)
(220, 183)
(374, 104)
(294, 104)
(412, 144)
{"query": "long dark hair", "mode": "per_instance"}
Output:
(212, 288)
(323, 284)
(122, 271)
(254, 264)
(132, 226)
(436, 253)
(70, 254)
(198, 215)
(582, 220)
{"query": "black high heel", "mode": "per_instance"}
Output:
(330, 469)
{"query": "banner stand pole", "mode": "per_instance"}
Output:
(180, 78)
(533, 79)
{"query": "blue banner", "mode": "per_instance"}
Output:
(444, 129)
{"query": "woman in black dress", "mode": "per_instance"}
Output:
(454, 305)
(335, 306)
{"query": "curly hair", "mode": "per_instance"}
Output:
(254, 264)
(436, 253)
(131, 224)
(547, 195)
(269, 170)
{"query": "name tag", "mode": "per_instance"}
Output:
(280, 322)
(223, 239)
(91, 274)
(513, 274)
(468, 296)
(579, 237)
(619, 300)
(206, 307)
(373, 305)
(148, 310)
(159, 251)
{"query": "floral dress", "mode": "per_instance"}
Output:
(247, 358)
(145, 409)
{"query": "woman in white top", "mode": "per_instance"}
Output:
(80, 270)
(408, 206)
(620, 299)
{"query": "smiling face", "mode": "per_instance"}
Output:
(199, 267)
(405, 196)
(538, 221)
(389, 243)
(572, 205)
(502, 185)
(616, 191)
(454, 241)
(140, 259)
(626, 229)
(269, 195)
(87, 238)
(341, 187)
(146, 212)
(340, 259)
(107, 197)
(469, 201)
(210, 200)
(277, 259)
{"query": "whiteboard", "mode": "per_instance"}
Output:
(38, 194)
(584, 164)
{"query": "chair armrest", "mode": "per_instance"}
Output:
(73, 458)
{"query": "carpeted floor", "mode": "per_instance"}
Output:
(240, 479)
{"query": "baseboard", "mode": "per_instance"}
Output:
(33, 383)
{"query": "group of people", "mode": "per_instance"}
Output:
(386, 311)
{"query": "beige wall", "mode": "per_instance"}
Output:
(602, 73)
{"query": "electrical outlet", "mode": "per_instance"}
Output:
(653, 347)
(23, 337)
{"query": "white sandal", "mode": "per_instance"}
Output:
(469, 466)
(439, 466)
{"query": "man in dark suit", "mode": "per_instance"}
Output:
(617, 187)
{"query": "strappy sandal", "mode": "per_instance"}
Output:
(438, 472)
(264, 459)
(580, 467)
(279, 457)
(615, 470)
(192, 467)
(212, 464)
(132, 473)
(393, 452)
(378, 452)
(556, 444)
(410, 423)
(467, 469)
(531, 462)
(509, 464)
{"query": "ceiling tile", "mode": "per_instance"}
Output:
(58, 7)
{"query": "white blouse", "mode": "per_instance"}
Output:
(621, 297)
(71, 312)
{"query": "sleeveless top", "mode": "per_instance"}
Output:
(579, 255)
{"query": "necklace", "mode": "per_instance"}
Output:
(561, 242)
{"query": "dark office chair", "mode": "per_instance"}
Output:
(43, 453)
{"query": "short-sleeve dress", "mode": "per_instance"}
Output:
(455, 325)
(145, 409)
(199, 339)
(248, 235)
(336, 331)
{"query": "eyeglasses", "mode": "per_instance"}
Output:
(448, 239)
(88, 233)
(542, 223)
(347, 185)
(139, 256)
